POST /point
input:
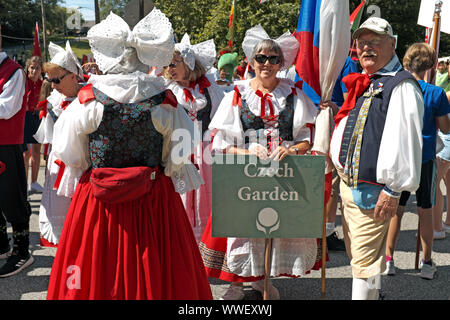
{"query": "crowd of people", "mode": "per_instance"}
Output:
(131, 216)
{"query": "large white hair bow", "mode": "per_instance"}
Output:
(204, 52)
(66, 59)
(287, 42)
(152, 38)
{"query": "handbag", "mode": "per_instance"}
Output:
(116, 185)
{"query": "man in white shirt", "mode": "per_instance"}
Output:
(376, 148)
(14, 206)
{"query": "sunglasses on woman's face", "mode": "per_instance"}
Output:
(173, 64)
(261, 58)
(57, 80)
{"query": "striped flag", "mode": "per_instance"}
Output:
(355, 17)
(37, 46)
(231, 26)
(323, 31)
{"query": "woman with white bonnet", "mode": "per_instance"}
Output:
(126, 234)
(282, 116)
(200, 96)
(64, 73)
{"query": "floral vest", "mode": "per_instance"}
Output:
(126, 136)
(285, 120)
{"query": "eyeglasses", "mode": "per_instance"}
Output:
(371, 43)
(57, 80)
(173, 64)
(261, 58)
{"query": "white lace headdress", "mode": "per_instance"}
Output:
(152, 37)
(66, 59)
(287, 42)
(204, 52)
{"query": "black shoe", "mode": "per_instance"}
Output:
(15, 264)
(334, 243)
(5, 252)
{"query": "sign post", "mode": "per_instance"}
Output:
(269, 200)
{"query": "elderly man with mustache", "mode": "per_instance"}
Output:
(377, 150)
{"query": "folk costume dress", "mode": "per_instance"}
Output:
(200, 101)
(283, 116)
(126, 235)
(54, 207)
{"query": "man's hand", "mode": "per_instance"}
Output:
(386, 207)
(324, 104)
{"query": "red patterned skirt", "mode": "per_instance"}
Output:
(138, 249)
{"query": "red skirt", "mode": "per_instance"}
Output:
(214, 254)
(139, 249)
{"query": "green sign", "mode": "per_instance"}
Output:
(253, 199)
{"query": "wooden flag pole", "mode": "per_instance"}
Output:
(267, 267)
(324, 250)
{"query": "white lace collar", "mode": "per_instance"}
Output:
(128, 88)
(278, 95)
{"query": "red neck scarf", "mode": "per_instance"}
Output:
(356, 84)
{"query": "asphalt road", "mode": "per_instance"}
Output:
(31, 284)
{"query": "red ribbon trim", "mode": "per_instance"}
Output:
(62, 167)
(265, 98)
(86, 94)
(43, 106)
(237, 101)
(170, 99)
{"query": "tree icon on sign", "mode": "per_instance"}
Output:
(267, 221)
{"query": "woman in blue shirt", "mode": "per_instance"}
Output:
(419, 58)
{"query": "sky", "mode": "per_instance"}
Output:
(87, 7)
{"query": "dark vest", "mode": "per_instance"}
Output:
(11, 130)
(250, 121)
(126, 136)
(374, 127)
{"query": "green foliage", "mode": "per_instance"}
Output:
(116, 6)
(208, 19)
(403, 15)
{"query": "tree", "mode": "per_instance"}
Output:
(402, 15)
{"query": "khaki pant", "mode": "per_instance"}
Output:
(365, 238)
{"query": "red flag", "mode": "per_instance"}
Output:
(37, 46)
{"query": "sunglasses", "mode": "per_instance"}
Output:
(56, 80)
(173, 64)
(261, 58)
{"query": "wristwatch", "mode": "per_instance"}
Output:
(296, 150)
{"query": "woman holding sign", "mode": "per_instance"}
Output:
(282, 117)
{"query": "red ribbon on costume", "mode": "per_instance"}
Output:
(202, 82)
(170, 98)
(237, 101)
(42, 105)
(62, 167)
(64, 104)
(299, 84)
(356, 84)
(86, 94)
(266, 98)
(188, 95)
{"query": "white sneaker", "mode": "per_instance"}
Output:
(445, 227)
(274, 294)
(390, 268)
(427, 271)
(234, 293)
(438, 235)
(35, 187)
